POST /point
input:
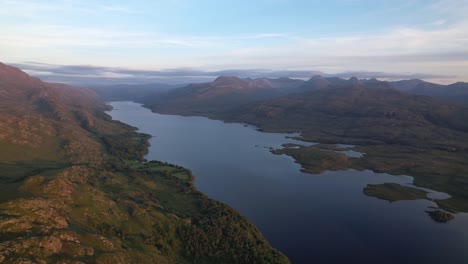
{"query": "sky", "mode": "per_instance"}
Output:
(406, 38)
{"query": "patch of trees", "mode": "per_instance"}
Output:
(127, 146)
(220, 235)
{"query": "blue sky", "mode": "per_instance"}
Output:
(412, 36)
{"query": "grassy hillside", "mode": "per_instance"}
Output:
(75, 188)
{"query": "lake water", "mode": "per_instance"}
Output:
(322, 218)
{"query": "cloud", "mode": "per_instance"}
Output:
(436, 51)
(438, 46)
(87, 75)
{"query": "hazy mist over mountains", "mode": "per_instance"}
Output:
(86, 75)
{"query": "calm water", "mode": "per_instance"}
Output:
(321, 218)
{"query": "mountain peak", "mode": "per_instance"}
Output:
(260, 83)
(227, 79)
(354, 81)
(316, 78)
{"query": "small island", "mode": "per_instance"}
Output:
(440, 216)
(314, 159)
(393, 192)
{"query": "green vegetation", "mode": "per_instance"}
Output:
(14, 174)
(127, 146)
(440, 216)
(315, 159)
(435, 169)
(393, 192)
(83, 192)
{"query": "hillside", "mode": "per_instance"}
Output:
(456, 92)
(228, 92)
(400, 133)
(223, 94)
(344, 111)
(75, 189)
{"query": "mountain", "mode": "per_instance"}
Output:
(375, 107)
(43, 120)
(229, 92)
(75, 188)
(409, 85)
(457, 92)
(220, 95)
(130, 92)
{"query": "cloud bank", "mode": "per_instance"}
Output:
(433, 41)
(87, 75)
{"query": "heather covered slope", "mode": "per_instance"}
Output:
(74, 188)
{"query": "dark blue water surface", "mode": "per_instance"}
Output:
(322, 218)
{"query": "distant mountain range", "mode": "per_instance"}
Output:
(222, 94)
(303, 105)
(228, 92)
(457, 92)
